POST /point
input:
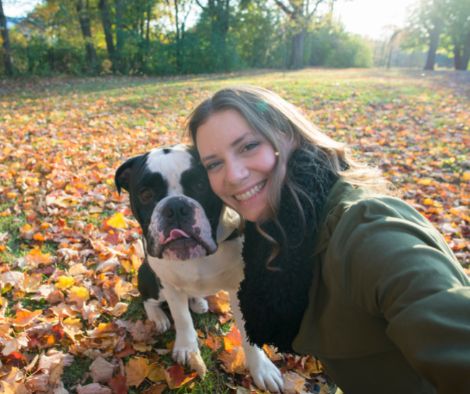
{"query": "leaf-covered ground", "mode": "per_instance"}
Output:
(70, 316)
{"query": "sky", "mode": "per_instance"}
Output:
(371, 18)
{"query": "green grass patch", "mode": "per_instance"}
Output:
(73, 374)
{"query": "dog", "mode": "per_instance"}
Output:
(192, 246)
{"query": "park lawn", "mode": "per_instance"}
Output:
(69, 245)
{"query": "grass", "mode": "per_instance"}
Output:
(65, 129)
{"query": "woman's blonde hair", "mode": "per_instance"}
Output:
(287, 129)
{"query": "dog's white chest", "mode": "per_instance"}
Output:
(203, 276)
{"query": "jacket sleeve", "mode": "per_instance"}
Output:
(399, 267)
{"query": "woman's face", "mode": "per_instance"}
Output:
(239, 163)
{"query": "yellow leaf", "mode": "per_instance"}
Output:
(64, 282)
(425, 181)
(428, 201)
(137, 369)
(79, 294)
(156, 373)
(466, 176)
(117, 221)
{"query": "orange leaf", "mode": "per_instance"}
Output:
(36, 257)
(219, 303)
(39, 237)
(233, 339)
(23, 317)
(234, 361)
(137, 369)
(213, 342)
(175, 376)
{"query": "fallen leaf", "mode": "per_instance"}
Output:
(117, 221)
(176, 378)
(137, 369)
(93, 388)
(24, 317)
(101, 370)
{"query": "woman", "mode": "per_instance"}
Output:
(335, 267)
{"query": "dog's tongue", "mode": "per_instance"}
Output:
(176, 233)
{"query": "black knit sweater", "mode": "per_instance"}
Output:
(273, 301)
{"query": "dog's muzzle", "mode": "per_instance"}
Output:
(179, 230)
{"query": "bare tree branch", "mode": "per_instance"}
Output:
(284, 8)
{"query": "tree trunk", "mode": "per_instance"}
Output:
(108, 32)
(120, 34)
(466, 53)
(433, 44)
(84, 19)
(178, 37)
(6, 43)
(457, 57)
(297, 54)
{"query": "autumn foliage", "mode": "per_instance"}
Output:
(70, 316)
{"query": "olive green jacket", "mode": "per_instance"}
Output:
(389, 308)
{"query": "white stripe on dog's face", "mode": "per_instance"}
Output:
(171, 162)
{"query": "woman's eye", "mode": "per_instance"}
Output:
(212, 166)
(250, 146)
(146, 196)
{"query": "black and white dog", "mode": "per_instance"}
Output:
(193, 249)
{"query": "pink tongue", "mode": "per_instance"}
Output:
(176, 234)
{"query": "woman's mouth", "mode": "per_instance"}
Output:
(251, 192)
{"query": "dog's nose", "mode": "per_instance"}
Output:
(176, 209)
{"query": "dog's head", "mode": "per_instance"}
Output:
(172, 200)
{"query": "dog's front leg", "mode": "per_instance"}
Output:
(186, 336)
(265, 374)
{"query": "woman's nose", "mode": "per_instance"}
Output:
(235, 172)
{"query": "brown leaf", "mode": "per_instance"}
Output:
(101, 370)
(93, 388)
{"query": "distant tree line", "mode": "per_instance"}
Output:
(439, 27)
(167, 37)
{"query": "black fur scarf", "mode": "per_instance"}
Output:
(273, 301)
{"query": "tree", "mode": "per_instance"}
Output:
(218, 12)
(181, 11)
(106, 22)
(6, 43)
(427, 22)
(300, 13)
(458, 28)
(84, 20)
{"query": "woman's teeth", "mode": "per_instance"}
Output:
(250, 193)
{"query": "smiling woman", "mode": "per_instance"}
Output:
(334, 267)
(239, 163)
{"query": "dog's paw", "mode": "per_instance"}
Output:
(158, 316)
(198, 305)
(182, 352)
(265, 374)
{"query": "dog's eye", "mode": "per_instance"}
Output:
(146, 196)
(200, 186)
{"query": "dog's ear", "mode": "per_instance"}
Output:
(123, 173)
